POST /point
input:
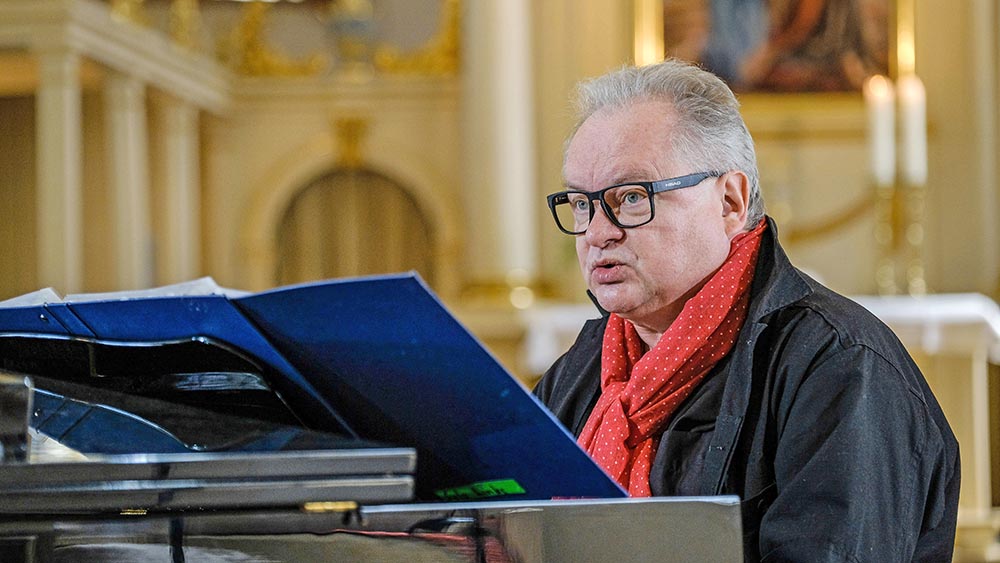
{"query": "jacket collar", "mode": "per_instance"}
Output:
(776, 282)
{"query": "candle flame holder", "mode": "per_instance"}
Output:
(899, 233)
(916, 283)
(886, 238)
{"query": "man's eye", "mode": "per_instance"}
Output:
(580, 205)
(633, 197)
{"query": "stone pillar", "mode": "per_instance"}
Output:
(499, 182)
(128, 150)
(179, 195)
(59, 167)
(518, 196)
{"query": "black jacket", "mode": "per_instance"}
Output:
(818, 420)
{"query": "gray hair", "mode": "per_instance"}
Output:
(710, 133)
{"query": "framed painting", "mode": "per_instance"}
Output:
(788, 46)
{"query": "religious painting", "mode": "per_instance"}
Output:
(780, 45)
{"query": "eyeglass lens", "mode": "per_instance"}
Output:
(630, 206)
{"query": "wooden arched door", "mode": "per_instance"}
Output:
(352, 222)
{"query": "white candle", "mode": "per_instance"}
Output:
(879, 100)
(913, 129)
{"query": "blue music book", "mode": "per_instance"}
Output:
(375, 359)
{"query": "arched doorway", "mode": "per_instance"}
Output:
(350, 222)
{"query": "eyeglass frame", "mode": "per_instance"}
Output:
(652, 188)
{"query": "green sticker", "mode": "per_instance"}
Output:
(483, 489)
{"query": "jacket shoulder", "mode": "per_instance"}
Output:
(824, 315)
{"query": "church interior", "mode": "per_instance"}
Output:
(151, 142)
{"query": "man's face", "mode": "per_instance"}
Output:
(646, 273)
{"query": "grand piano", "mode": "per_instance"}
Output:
(346, 420)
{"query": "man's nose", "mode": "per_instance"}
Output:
(602, 230)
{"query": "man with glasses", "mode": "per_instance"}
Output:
(719, 368)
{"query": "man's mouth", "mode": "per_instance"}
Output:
(606, 264)
(607, 271)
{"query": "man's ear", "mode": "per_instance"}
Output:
(735, 200)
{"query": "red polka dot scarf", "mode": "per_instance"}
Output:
(639, 392)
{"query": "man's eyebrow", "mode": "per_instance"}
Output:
(633, 175)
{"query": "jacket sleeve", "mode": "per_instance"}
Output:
(857, 461)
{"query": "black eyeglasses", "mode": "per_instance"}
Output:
(626, 205)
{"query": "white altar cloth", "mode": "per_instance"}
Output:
(937, 323)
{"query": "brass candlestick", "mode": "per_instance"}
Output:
(899, 233)
(885, 237)
(916, 284)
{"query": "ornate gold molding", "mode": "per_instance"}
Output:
(185, 24)
(352, 23)
(247, 51)
(915, 196)
(439, 56)
(350, 134)
(131, 11)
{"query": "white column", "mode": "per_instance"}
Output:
(517, 193)
(128, 149)
(500, 172)
(179, 204)
(59, 165)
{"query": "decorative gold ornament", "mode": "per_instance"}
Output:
(350, 133)
(247, 51)
(353, 25)
(439, 56)
(886, 238)
(899, 233)
(185, 23)
(131, 11)
(916, 283)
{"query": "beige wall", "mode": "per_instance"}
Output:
(957, 56)
(98, 228)
(17, 195)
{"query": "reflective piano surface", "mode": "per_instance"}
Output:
(345, 500)
(662, 529)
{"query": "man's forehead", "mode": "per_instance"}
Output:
(620, 145)
(633, 172)
(615, 163)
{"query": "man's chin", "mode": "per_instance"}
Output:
(613, 301)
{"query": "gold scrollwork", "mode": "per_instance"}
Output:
(185, 23)
(916, 283)
(350, 133)
(247, 51)
(439, 56)
(131, 11)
